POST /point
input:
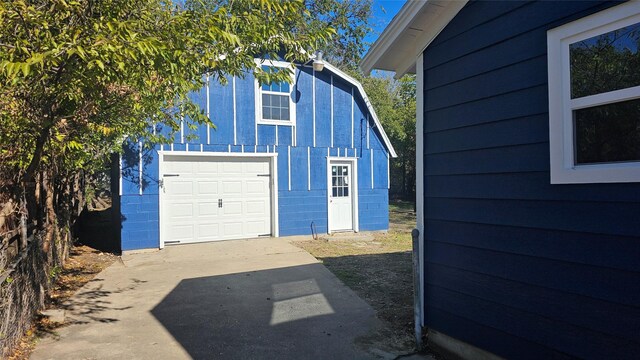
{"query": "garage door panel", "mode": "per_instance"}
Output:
(191, 211)
(180, 233)
(178, 211)
(257, 207)
(207, 167)
(178, 167)
(207, 187)
(255, 187)
(208, 209)
(209, 231)
(232, 229)
(179, 188)
(257, 227)
(232, 208)
(232, 187)
(258, 168)
(232, 167)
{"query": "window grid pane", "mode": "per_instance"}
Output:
(608, 133)
(605, 62)
(275, 107)
(340, 181)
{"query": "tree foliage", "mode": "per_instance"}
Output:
(350, 19)
(78, 77)
(395, 105)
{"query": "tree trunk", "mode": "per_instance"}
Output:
(50, 215)
(37, 155)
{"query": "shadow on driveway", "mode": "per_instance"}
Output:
(285, 313)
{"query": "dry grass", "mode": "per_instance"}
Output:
(83, 265)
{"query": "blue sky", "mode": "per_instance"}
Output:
(383, 13)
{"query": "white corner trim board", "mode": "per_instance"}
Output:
(308, 168)
(420, 175)
(313, 104)
(234, 110)
(353, 101)
(331, 110)
(208, 111)
(371, 158)
(140, 166)
(289, 166)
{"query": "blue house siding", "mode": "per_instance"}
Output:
(515, 265)
(140, 222)
(301, 166)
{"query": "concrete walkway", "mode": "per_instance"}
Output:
(245, 299)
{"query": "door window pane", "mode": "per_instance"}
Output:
(605, 62)
(340, 181)
(608, 133)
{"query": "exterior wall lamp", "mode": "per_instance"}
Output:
(318, 64)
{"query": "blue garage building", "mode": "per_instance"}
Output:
(284, 159)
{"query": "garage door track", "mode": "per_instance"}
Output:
(243, 299)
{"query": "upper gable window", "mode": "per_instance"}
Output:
(274, 101)
(594, 97)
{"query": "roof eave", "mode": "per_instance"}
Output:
(409, 33)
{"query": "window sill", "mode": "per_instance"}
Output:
(275, 122)
(597, 173)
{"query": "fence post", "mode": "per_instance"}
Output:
(417, 311)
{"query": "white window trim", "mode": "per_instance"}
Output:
(259, 92)
(561, 106)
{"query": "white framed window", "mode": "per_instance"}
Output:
(274, 102)
(594, 97)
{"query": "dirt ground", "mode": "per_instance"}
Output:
(379, 271)
(83, 265)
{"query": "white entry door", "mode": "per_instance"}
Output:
(211, 198)
(340, 197)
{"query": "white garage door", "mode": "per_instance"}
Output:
(211, 198)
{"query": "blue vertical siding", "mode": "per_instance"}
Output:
(515, 265)
(140, 222)
(285, 135)
(245, 110)
(323, 109)
(301, 169)
(221, 104)
(199, 133)
(267, 134)
(304, 106)
(341, 114)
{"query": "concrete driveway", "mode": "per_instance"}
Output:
(245, 299)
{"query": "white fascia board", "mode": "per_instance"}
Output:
(362, 93)
(401, 34)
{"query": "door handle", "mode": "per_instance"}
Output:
(219, 203)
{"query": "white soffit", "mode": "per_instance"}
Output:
(414, 27)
